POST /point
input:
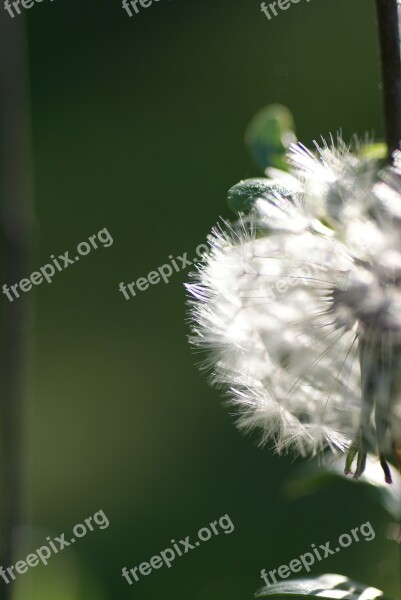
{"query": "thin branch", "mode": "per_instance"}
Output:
(389, 37)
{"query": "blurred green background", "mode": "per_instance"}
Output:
(138, 126)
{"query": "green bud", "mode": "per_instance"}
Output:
(242, 196)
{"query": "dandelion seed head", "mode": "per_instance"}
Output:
(298, 305)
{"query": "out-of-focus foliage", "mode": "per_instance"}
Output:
(268, 136)
(311, 478)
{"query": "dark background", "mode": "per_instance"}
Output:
(138, 126)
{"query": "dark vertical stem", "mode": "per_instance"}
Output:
(15, 225)
(389, 37)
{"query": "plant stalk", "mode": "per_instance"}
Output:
(389, 40)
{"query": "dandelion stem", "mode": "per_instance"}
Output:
(389, 37)
(15, 225)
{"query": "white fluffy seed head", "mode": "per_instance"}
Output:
(286, 296)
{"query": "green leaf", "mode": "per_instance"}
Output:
(325, 586)
(312, 477)
(242, 196)
(269, 135)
